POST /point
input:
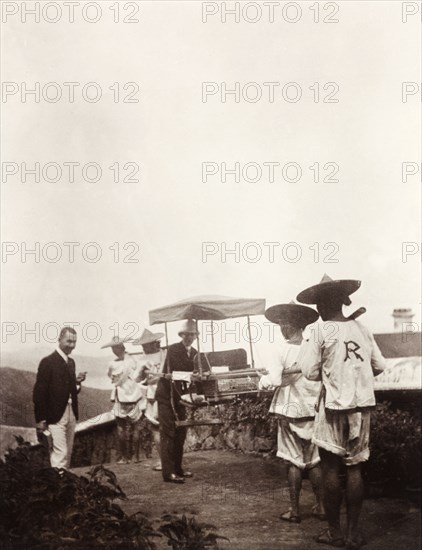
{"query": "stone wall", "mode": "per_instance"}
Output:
(246, 426)
(97, 443)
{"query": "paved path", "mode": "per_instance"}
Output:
(243, 496)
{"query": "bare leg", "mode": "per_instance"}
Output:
(129, 439)
(136, 440)
(294, 477)
(156, 437)
(315, 477)
(121, 436)
(147, 437)
(354, 499)
(332, 496)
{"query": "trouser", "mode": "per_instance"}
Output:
(62, 434)
(172, 438)
(155, 431)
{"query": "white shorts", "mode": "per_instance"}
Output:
(345, 434)
(295, 445)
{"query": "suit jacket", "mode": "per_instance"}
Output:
(56, 381)
(177, 359)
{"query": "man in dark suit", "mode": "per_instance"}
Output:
(55, 398)
(179, 358)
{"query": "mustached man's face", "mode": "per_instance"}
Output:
(67, 342)
(188, 338)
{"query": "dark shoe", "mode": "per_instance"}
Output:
(325, 537)
(173, 478)
(157, 468)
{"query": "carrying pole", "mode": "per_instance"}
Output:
(212, 334)
(250, 341)
(199, 350)
(167, 336)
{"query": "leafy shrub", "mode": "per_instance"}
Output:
(187, 534)
(44, 508)
(253, 411)
(395, 444)
(47, 508)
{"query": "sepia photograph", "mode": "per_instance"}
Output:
(211, 251)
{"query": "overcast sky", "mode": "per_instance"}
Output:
(172, 130)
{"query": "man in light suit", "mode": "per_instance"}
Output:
(168, 395)
(55, 398)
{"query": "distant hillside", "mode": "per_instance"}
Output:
(27, 358)
(16, 408)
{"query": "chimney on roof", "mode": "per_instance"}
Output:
(402, 319)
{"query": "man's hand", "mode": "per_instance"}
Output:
(81, 377)
(41, 426)
(262, 372)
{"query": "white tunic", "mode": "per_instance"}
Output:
(346, 357)
(154, 362)
(295, 397)
(127, 394)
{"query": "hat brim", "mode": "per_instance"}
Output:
(187, 332)
(115, 343)
(325, 291)
(155, 337)
(295, 314)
